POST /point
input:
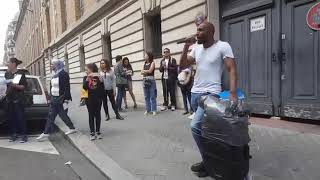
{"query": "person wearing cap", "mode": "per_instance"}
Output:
(169, 70)
(60, 95)
(15, 101)
(121, 81)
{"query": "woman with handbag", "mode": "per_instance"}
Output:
(149, 85)
(108, 79)
(129, 71)
(185, 82)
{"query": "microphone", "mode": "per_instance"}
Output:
(189, 39)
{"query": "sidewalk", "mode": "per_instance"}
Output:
(162, 148)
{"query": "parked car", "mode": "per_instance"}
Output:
(36, 99)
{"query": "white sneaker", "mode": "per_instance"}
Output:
(173, 108)
(71, 131)
(92, 137)
(42, 137)
(164, 108)
(146, 113)
(99, 136)
(191, 116)
(154, 113)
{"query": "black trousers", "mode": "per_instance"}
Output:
(94, 108)
(169, 89)
(17, 122)
(110, 94)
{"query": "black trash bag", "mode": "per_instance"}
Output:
(224, 121)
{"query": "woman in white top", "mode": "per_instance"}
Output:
(108, 78)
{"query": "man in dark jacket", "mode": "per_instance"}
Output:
(169, 70)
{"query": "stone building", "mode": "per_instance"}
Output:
(271, 41)
(9, 43)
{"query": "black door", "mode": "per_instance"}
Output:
(252, 49)
(301, 64)
(277, 55)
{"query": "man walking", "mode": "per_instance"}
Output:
(169, 70)
(209, 55)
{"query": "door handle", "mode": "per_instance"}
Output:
(274, 57)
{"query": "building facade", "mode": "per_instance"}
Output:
(268, 54)
(9, 43)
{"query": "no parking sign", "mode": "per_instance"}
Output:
(313, 17)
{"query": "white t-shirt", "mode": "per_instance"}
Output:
(210, 66)
(166, 73)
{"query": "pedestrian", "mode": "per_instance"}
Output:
(108, 79)
(209, 55)
(129, 72)
(60, 95)
(185, 82)
(94, 84)
(15, 99)
(169, 70)
(121, 82)
(149, 85)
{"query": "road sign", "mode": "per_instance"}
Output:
(313, 17)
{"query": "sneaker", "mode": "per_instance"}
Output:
(164, 108)
(154, 113)
(99, 136)
(119, 117)
(13, 138)
(173, 108)
(24, 139)
(42, 137)
(198, 167)
(146, 113)
(191, 116)
(92, 137)
(185, 113)
(71, 131)
(135, 106)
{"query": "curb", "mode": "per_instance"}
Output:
(98, 158)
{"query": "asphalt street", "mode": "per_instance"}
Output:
(43, 161)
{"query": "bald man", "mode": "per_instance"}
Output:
(210, 56)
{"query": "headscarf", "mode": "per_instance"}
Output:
(58, 65)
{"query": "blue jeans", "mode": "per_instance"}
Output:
(186, 95)
(56, 108)
(120, 94)
(150, 97)
(197, 120)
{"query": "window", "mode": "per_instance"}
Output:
(63, 15)
(106, 45)
(153, 34)
(82, 58)
(66, 62)
(33, 87)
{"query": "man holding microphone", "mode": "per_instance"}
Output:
(210, 57)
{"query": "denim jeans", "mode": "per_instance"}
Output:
(17, 122)
(56, 108)
(150, 97)
(120, 94)
(197, 120)
(186, 95)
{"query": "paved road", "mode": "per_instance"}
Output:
(43, 161)
(161, 147)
